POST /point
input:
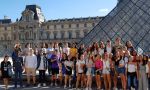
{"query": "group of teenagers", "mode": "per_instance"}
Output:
(86, 68)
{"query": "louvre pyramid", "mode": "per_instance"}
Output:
(130, 20)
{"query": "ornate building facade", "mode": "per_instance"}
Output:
(33, 28)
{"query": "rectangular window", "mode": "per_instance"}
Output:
(69, 25)
(55, 26)
(77, 25)
(85, 25)
(62, 26)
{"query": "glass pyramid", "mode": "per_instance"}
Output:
(130, 20)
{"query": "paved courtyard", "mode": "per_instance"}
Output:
(34, 88)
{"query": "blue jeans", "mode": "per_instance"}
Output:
(132, 81)
(18, 77)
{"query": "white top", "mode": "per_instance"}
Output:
(131, 68)
(41, 67)
(89, 63)
(50, 49)
(147, 68)
(109, 49)
(68, 63)
(106, 64)
(80, 69)
(126, 59)
(95, 52)
(122, 61)
(66, 50)
(31, 61)
(44, 50)
(101, 52)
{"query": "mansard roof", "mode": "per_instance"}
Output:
(5, 21)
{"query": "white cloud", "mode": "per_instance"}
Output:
(103, 10)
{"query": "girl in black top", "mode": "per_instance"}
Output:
(5, 66)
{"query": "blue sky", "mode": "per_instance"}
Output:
(58, 9)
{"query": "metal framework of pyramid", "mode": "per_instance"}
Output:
(130, 20)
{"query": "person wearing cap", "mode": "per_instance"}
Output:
(42, 67)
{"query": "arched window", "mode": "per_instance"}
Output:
(34, 35)
(5, 36)
(15, 36)
(20, 37)
(62, 26)
(1, 38)
(8, 38)
(27, 35)
(85, 25)
(70, 34)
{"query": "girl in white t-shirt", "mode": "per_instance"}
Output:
(66, 49)
(80, 65)
(131, 71)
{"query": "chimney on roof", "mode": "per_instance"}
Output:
(5, 17)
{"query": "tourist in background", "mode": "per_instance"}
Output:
(5, 67)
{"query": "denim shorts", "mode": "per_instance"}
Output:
(120, 70)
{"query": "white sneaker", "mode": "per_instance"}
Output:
(39, 85)
(115, 88)
(55, 84)
(86, 88)
(51, 84)
(69, 86)
(65, 87)
(44, 84)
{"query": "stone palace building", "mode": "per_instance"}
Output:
(33, 28)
